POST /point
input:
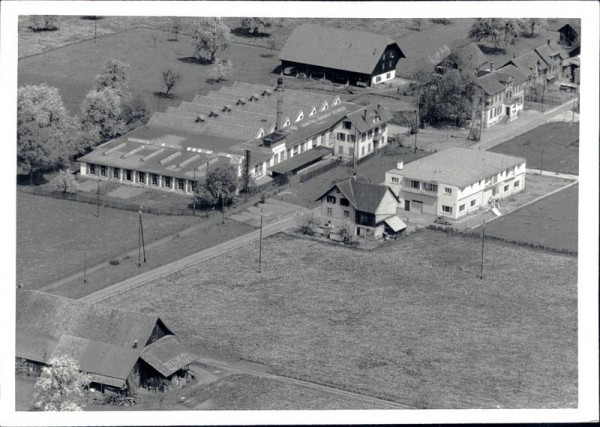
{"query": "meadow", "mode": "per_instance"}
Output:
(410, 322)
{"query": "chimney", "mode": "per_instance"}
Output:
(135, 344)
(514, 55)
(279, 102)
(400, 165)
(548, 42)
(491, 67)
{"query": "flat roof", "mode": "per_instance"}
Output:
(299, 160)
(457, 166)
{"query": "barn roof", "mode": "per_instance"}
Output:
(104, 341)
(167, 355)
(457, 166)
(336, 48)
(490, 83)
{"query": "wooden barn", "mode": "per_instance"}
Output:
(121, 350)
(346, 56)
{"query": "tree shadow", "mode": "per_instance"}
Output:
(491, 50)
(162, 95)
(44, 30)
(173, 40)
(38, 179)
(277, 70)
(241, 32)
(267, 55)
(194, 60)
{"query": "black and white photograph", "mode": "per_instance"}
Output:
(232, 212)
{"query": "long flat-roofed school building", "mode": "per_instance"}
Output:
(179, 146)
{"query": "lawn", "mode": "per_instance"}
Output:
(550, 222)
(410, 322)
(72, 68)
(559, 142)
(51, 236)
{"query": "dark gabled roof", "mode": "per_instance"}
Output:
(563, 22)
(299, 160)
(512, 71)
(550, 49)
(369, 117)
(336, 48)
(167, 355)
(490, 84)
(363, 196)
(471, 55)
(528, 63)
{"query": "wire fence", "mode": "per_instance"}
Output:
(320, 170)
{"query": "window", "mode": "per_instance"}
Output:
(296, 149)
(93, 169)
(430, 187)
(128, 175)
(370, 147)
(331, 199)
(341, 137)
(346, 214)
(388, 75)
(351, 138)
(154, 179)
(289, 153)
(461, 208)
(415, 184)
(446, 209)
(168, 181)
(506, 188)
(193, 185)
(378, 79)
(395, 180)
(303, 147)
(329, 212)
(370, 134)
(116, 173)
(344, 202)
(348, 125)
(180, 183)
(447, 190)
(472, 202)
(516, 184)
(102, 170)
(141, 177)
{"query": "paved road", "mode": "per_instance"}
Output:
(180, 264)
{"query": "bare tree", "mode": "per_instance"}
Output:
(170, 78)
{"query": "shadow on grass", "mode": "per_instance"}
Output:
(194, 60)
(241, 32)
(162, 95)
(38, 179)
(491, 50)
(267, 55)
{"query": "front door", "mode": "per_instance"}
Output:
(407, 205)
(508, 111)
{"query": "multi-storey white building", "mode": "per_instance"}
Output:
(503, 95)
(456, 181)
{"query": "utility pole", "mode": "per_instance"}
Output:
(543, 92)
(98, 199)
(542, 161)
(85, 258)
(194, 189)
(222, 209)
(416, 125)
(260, 241)
(141, 244)
(482, 247)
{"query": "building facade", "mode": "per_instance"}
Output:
(456, 181)
(502, 95)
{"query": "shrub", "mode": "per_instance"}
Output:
(442, 21)
(114, 261)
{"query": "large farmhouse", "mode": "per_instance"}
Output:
(456, 181)
(370, 208)
(119, 349)
(347, 56)
(467, 58)
(266, 124)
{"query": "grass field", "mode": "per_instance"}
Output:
(411, 322)
(551, 222)
(72, 69)
(51, 236)
(560, 154)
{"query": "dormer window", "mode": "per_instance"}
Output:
(287, 123)
(337, 101)
(313, 112)
(325, 107)
(300, 116)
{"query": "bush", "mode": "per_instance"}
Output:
(65, 182)
(43, 23)
(442, 21)
(114, 261)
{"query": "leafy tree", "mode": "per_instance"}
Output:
(307, 222)
(61, 386)
(65, 182)
(176, 27)
(42, 23)
(498, 31)
(253, 25)
(114, 75)
(532, 26)
(210, 38)
(220, 182)
(134, 112)
(102, 114)
(46, 134)
(170, 78)
(220, 70)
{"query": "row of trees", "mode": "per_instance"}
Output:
(48, 136)
(501, 32)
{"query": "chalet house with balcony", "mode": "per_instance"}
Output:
(502, 95)
(467, 58)
(569, 35)
(370, 208)
(267, 124)
(456, 181)
(347, 56)
(120, 349)
(554, 56)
